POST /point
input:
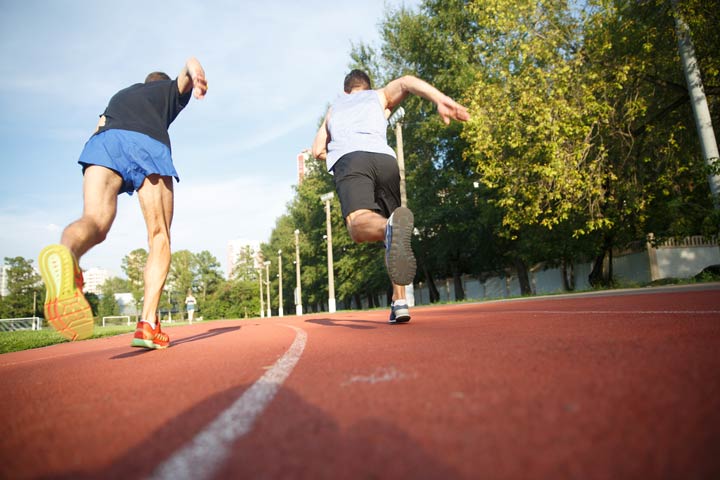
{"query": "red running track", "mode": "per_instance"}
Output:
(620, 385)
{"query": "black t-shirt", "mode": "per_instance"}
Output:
(147, 108)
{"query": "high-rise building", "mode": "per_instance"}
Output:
(94, 278)
(3, 281)
(302, 165)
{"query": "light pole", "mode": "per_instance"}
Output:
(395, 121)
(699, 104)
(267, 286)
(298, 289)
(262, 306)
(280, 285)
(331, 276)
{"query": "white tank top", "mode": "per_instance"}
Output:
(357, 124)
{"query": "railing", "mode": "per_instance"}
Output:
(23, 323)
(693, 241)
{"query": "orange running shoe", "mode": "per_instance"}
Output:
(146, 337)
(66, 308)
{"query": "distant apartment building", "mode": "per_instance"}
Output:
(3, 281)
(306, 165)
(94, 279)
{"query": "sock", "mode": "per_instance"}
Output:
(152, 324)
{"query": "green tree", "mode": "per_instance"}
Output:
(233, 299)
(245, 265)
(108, 305)
(24, 288)
(133, 264)
(207, 274)
(181, 275)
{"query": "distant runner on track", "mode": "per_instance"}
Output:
(129, 151)
(352, 139)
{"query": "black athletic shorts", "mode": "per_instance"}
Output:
(366, 180)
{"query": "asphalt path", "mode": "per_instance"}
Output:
(622, 384)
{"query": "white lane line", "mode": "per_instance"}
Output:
(202, 456)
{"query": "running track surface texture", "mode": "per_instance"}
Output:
(622, 385)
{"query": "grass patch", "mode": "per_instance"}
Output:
(27, 339)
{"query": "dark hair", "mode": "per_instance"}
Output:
(357, 78)
(155, 76)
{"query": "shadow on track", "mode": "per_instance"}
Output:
(328, 322)
(292, 439)
(200, 336)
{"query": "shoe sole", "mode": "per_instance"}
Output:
(66, 308)
(401, 261)
(146, 343)
(399, 320)
(142, 343)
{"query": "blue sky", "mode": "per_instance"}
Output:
(272, 68)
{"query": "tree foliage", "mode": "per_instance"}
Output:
(24, 289)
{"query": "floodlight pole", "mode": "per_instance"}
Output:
(331, 276)
(395, 121)
(262, 305)
(280, 285)
(267, 287)
(698, 101)
(298, 287)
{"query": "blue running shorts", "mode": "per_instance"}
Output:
(132, 155)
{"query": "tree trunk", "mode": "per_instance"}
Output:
(523, 278)
(599, 276)
(358, 301)
(457, 283)
(432, 289)
(567, 270)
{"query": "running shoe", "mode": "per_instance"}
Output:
(66, 308)
(147, 337)
(399, 257)
(399, 313)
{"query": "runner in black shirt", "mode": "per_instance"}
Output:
(129, 151)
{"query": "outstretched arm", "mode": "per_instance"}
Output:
(322, 138)
(395, 92)
(192, 76)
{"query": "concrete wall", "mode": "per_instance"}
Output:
(672, 259)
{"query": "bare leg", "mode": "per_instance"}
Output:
(398, 292)
(366, 226)
(156, 201)
(369, 226)
(100, 190)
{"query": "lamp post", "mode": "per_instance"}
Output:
(395, 121)
(298, 289)
(262, 306)
(280, 285)
(331, 276)
(267, 286)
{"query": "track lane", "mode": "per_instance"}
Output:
(510, 389)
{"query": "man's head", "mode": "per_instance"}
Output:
(155, 76)
(357, 80)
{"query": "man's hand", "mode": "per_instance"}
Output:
(192, 76)
(450, 109)
(197, 75)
